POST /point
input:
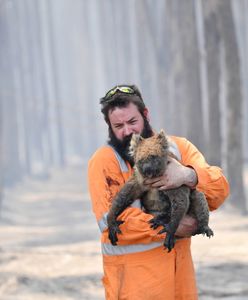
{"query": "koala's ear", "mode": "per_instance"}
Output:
(162, 137)
(136, 139)
(161, 134)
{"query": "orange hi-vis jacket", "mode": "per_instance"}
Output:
(139, 267)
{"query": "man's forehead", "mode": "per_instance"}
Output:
(129, 111)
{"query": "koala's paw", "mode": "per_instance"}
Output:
(205, 231)
(113, 231)
(169, 242)
(209, 232)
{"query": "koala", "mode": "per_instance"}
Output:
(168, 206)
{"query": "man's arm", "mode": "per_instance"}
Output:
(105, 180)
(211, 180)
(195, 173)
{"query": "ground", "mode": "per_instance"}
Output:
(49, 244)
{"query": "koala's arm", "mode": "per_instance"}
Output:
(211, 180)
(105, 181)
(131, 191)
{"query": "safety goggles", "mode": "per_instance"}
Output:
(112, 92)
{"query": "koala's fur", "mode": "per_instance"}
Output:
(168, 206)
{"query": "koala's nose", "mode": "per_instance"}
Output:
(147, 170)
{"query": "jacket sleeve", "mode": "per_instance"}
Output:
(211, 180)
(105, 180)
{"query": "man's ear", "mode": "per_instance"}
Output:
(146, 114)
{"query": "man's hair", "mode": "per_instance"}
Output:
(121, 99)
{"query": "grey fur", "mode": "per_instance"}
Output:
(168, 206)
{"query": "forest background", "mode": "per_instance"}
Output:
(58, 58)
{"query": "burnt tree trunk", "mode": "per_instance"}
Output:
(234, 103)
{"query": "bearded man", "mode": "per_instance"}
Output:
(139, 267)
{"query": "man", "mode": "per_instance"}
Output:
(139, 267)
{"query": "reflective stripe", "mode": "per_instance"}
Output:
(102, 223)
(136, 204)
(109, 249)
(173, 148)
(122, 163)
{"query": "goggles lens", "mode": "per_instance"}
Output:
(122, 89)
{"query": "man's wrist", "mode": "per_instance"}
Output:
(191, 178)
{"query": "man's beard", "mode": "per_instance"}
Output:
(122, 147)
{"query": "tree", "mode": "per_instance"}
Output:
(234, 104)
(11, 158)
(212, 46)
(191, 72)
(57, 100)
(1, 145)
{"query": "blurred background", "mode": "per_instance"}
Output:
(59, 57)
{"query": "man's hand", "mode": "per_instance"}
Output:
(175, 176)
(187, 227)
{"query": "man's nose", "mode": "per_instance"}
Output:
(127, 130)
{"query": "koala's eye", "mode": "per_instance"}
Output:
(152, 156)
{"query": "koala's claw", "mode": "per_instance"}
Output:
(208, 232)
(113, 230)
(169, 242)
(155, 223)
(165, 229)
(205, 231)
